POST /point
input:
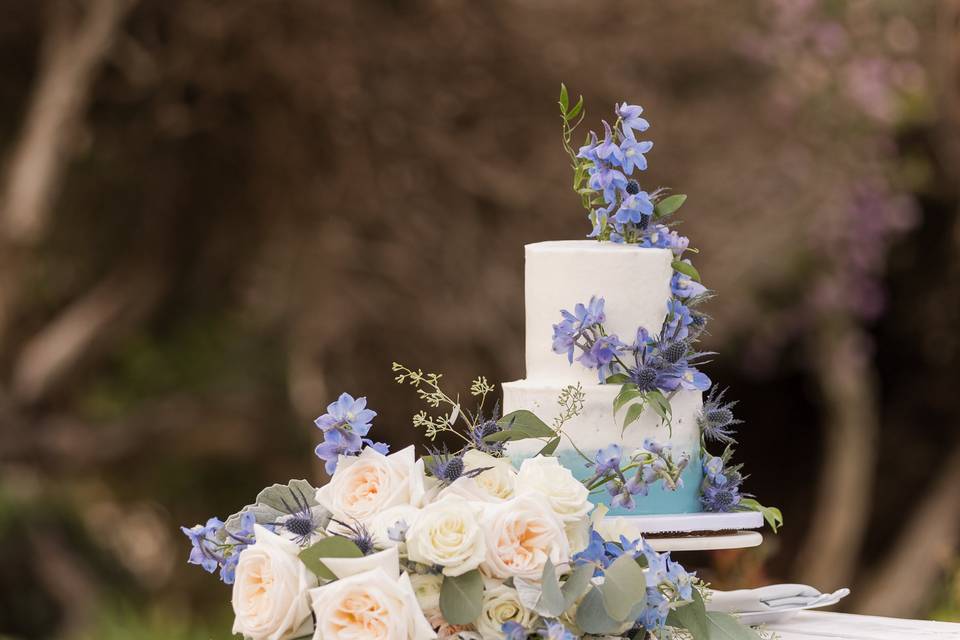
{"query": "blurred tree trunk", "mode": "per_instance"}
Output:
(848, 386)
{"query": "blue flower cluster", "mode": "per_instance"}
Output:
(665, 362)
(344, 426)
(626, 479)
(623, 212)
(213, 546)
(552, 630)
(720, 491)
(668, 582)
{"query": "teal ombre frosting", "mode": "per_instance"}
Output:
(658, 501)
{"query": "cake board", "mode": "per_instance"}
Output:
(696, 531)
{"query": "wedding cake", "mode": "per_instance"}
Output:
(636, 289)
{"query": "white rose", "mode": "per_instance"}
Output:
(380, 524)
(611, 529)
(544, 475)
(578, 534)
(521, 534)
(448, 533)
(426, 586)
(365, 485)
(502, 604)
(370, 605)
(269, 592)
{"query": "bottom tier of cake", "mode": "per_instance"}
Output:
(596, 427)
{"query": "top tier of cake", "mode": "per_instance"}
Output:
(634, 282)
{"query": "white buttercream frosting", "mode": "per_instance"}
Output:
(634, 282)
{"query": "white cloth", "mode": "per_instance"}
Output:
(775, 596)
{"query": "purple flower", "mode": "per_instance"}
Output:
(682, 375)
(513, 631)
(676, 324)
(205, 551)
(608, 151)
(607, 180)
(608, 459)
(678, 243)
(595, 552)
(347, 415)
(634, 207)
(657, 237)
(602, 355)
(588, 151)
(632, 152)
(556, 631)
(629, 114)
(683, 286)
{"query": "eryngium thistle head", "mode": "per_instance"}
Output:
(675, 351)
(645, 378)
(716, 419)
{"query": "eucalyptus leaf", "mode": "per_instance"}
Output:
(332, 547)
(692, 617)
(723, 626)
(624, 587)
(669, 204)
(633, 414)
(686, 269)
(277, 500)
(461, 597)
(592, 617)
(551, 601)
(576, 584)
(520, 425)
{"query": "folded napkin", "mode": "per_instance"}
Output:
(774, 596)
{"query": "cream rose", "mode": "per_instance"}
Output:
(426, 586)
(448, 533)
(544, 475)
(365, 485)
(502, 604)
(269, 592)
(370, 605)
(521, 534)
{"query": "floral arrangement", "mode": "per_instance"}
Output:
(460, 543)
(653, 366)
(455, 544)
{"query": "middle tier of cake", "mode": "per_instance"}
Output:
(596, 427)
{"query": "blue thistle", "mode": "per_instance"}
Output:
(359, 535)
(487, 427)
(448, 467)
(716, 418)
(299, 519)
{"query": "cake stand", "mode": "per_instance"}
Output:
(695, 531)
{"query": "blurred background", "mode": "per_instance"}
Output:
(216, 216)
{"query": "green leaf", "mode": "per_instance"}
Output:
(592, 616)
(657, 398)
(628, 392)
(623, 588)
(461, 597)
(332, 547)
(577, 108)
(564, 98)
(723, 626)
(617, 378)
(669, 204)
(550, 447)
(692, 617)
(520, 425)
(772, 515)
(576, 584)
(551, 598)
(686, 269)
(633, 414)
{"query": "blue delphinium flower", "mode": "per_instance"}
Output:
(588, 151)
(595, 552)
(608, 180)
(634, 207)
(344, 426)
(602, 356)
(608, 459)
(683, 375)
(678, 244)
(556, 631)
(629, 114)
(656, 237)
(683, 286)
(632, 152)
(677, 323)
(214, 546)
(514, 631)
(348, 416)
(608, 151)
(716, 418)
